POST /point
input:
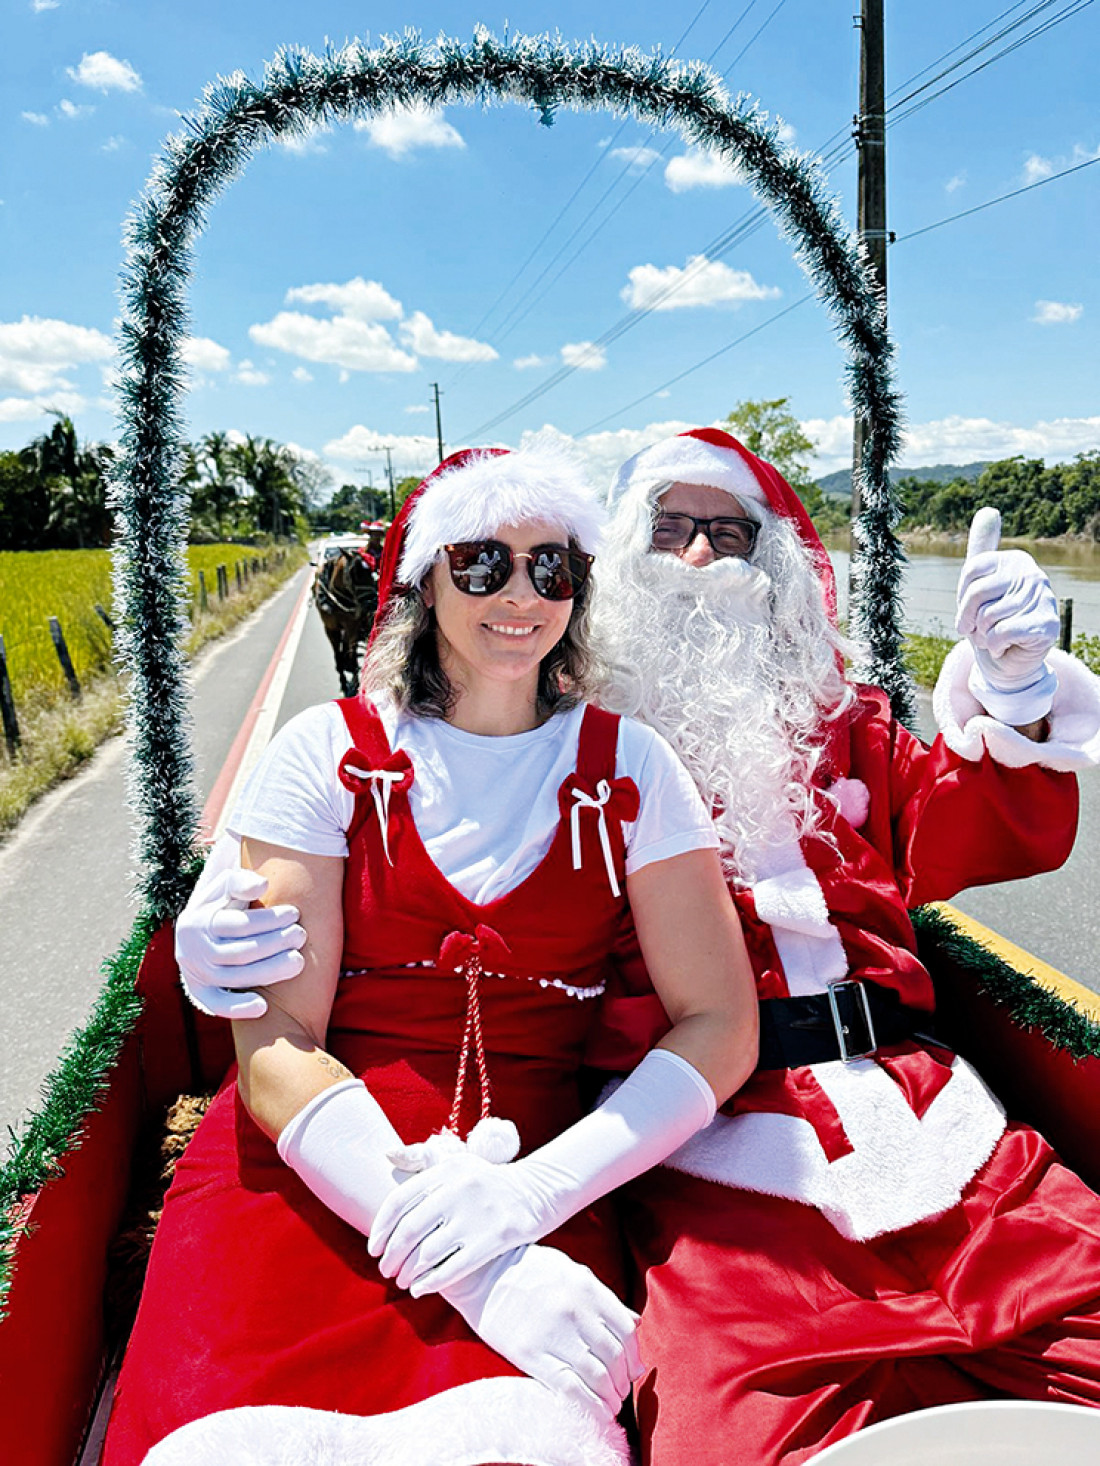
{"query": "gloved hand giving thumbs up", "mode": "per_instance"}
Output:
(1008, 613)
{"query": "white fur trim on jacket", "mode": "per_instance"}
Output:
(502, 1420)
(686, 461)
(473, 500)
(903, 1168)
(789, 898)
(1074, 742)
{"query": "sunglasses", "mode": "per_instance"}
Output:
(483, 567)
(727, 536)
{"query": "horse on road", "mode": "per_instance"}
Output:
(345, 592)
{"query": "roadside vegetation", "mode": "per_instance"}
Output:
(925, 655)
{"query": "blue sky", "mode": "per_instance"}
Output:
(336, 281)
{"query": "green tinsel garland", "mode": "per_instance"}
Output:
(300, 91)
(82, 1077)
(1029, 1005)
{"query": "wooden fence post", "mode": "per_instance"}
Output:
(64, 658)
(223, 583)
(7, 706)
(105, 618)
(237, 573)
(204, 599)
(1065, 614)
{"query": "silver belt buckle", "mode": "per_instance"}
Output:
(846, 1054)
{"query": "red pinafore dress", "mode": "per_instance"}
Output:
(256, 1293)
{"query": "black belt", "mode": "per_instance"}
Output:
(849, 1021)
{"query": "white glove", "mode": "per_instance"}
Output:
(454, 1217)
(547, 1315)
(1008, 612)
(224, 946)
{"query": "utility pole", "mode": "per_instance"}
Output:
(438, 420)
(389, 474)
(869, 130)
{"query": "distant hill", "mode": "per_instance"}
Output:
(839, 485)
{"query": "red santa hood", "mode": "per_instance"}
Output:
(471, 495)
(711, 457)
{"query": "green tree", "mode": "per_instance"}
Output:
(215, 485)
(274, 485)
(24, 505)
(74, 480)
(772, 432)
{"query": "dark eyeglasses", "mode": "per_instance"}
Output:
(727, 536)
(483, 567)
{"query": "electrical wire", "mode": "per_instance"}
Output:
(978, 208)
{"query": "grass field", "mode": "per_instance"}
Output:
(59, 734)
(69, 584)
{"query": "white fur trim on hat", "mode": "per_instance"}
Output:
(475, 499)
(685, 460)
(1074, 741)
(496, 1420)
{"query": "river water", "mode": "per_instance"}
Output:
(931, 576)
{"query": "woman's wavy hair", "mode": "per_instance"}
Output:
(403, 659)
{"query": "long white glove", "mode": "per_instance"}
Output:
(546, 1314)
(1008, 612)
(447, 1221)
(224, 947)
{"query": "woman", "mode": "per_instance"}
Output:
(461, 850)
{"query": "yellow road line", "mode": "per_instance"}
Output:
(1040, 972)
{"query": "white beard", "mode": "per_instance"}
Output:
(737, 669)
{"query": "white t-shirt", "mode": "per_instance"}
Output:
(485, 808)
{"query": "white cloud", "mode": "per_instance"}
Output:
(25, 409)
(417, 407)
(37, 119)
(786, 132)
(954, 183)
(113, 144)
(1036, 168)
(363, 300)
(960, 440)
(584, 355)
(355, 345)
(71, 112)
(699, 169)
(301, 375)
(604, 452)
(637, 159)
(1056, 313)
(701, 282)
(39, 5)
(105, 73)
(206, 355)
(405, 129)
(421, 336)
(35, 351)
(308, 143)
(526, 363)
(250, 376)
(411, 454)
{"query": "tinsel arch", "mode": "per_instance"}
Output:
(300, 91)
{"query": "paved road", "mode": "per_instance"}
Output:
(64, 876)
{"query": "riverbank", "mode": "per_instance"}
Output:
(59, 735)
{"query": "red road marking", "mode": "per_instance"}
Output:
(212, 809)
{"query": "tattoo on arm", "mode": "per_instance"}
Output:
(334, 1067)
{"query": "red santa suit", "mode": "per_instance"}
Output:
(858, 1239)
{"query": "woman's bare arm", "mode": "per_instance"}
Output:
(691, 939)
(283, 1063)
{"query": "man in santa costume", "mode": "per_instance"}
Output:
(859, 1232)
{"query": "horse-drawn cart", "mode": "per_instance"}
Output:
(65, 1191)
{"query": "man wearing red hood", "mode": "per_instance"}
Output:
(859, 1233)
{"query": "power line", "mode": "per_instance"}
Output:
(1015, 193)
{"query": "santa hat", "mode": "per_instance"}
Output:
(711, 457)
(476, 492)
